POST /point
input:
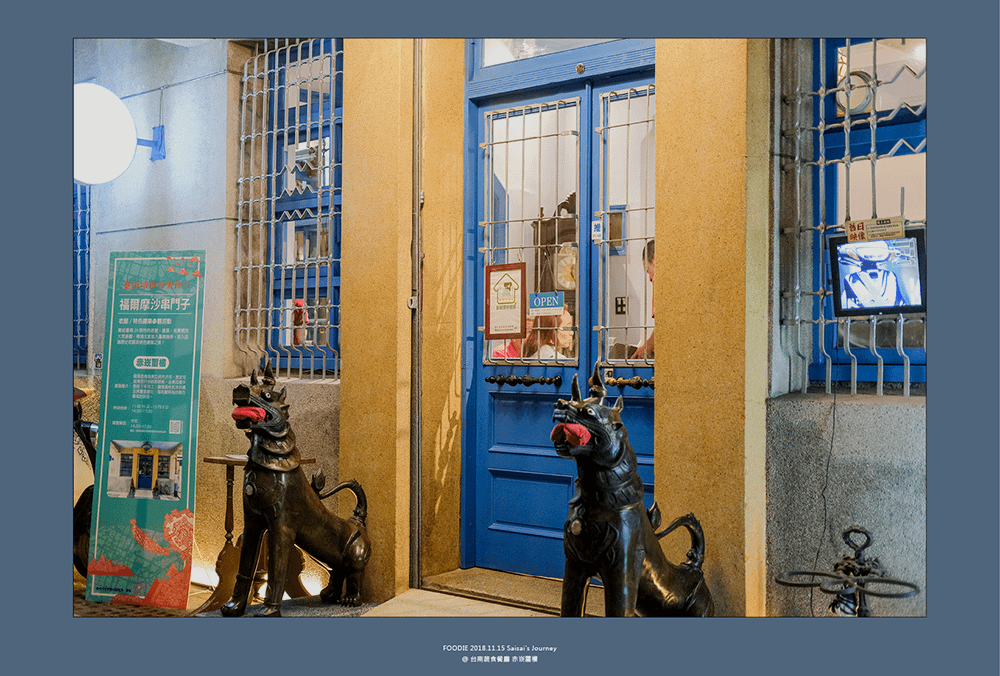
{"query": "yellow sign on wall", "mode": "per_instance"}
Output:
(874, 228)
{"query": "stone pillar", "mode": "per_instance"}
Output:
(376, 277)
(712, 288)
(441, 169)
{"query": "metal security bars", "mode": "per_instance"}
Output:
(532, 160)
(853, 148)
(81, 274)
(289, 210)
(625, 225)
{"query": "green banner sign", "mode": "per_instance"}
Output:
(142, 528)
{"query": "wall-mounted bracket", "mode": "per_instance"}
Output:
(158, 149)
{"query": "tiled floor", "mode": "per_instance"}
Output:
(460, 593)
(84, 608)
(539, 594)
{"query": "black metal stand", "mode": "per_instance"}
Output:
(851, 579)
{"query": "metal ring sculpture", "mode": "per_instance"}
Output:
(851, 577)
(849, 582)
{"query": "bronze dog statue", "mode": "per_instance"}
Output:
(608, 532)
(278, 499)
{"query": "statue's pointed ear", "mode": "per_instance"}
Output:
(268, 371)
(281, 395)
(576, 389)
(253, 377)
(620, 404)
(597, 388)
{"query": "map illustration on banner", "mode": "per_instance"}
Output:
(142, 527)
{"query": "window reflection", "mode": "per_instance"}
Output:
(889, 72)
(505, 50)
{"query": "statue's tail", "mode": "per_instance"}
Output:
(360, 510)
(696, 555)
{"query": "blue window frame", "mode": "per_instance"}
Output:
(617, 233)
(305, 151)
(864, 115)
(603, 60)
(81, 274)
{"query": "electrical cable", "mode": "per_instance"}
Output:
(826, 483)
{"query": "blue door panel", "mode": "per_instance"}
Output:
(541, 556)
(523, 501)
(638, 418)
(520, 419)
(521, 487)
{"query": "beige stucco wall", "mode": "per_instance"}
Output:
(377, 225)
(376, 279)
(711, 366)
(442, 104)
(710, 411)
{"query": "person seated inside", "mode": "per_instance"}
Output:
(551, 337)
(645, 351)
(511, 349)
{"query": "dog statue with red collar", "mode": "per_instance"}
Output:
(609, 533)
(278, 499)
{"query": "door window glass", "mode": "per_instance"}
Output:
(626, 221)
(531, 160)
(505, 50)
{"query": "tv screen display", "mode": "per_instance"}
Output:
(878, 277)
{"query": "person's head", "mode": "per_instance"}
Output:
(648, 258)
(564, 333)
(551, 330)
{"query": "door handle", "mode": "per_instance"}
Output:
(527, 381)
(635, 382)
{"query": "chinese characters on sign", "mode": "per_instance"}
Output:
(143, 517)
(506, 301)
(874, 228)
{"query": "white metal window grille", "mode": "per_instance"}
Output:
(290, 201)
(531, 182)
(853, 147)
(626, 221)
(81, 274)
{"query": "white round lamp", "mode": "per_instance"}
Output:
(104, 136)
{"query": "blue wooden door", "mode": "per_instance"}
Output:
(565, 187)
(144, 472)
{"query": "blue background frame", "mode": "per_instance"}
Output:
(961, 33)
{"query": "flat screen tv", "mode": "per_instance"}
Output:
(878, 277)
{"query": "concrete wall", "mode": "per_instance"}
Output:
(185, 201)
(834, 462)
(188, 201)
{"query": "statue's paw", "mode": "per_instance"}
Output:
(269, 611)
(351, 601)
(330, 594)
(233, 609)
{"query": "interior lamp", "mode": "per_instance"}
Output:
(104, 135)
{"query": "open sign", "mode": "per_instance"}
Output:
(547, 303)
